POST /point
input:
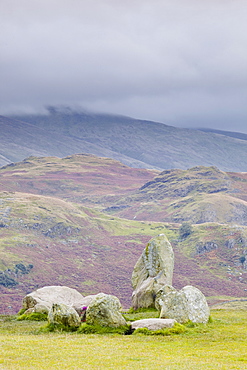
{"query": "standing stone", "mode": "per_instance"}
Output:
(187, 304)
(61, 314)
(104, 310)
(153, 270)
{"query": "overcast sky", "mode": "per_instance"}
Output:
(181, 62)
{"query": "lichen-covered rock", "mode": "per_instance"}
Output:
(144, 295)
(61, 314)
(46, 296)
(187, 304)
(153, 269)
(174, 306)
(153, 324)
(104, 310)
(164, 290)
(198, 307)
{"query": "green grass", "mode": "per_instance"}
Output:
(141, 313)
(219, 345)
(96, 329)
(34, 316)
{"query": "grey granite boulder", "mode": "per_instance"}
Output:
(61, 314)
(41, 300)
(153, 269)
(187, 304)
(105, 310)
(153, 324)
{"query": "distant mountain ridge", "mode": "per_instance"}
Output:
(237, 135)
(136, 143)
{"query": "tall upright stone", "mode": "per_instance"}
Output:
(153, 270)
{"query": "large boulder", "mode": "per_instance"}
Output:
(187, 304)
(153, 269)
(41, 300)
(104, 310)
(61, 314)
(153, 324)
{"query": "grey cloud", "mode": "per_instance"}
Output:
(180, 62)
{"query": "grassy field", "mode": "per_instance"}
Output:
(220, 344)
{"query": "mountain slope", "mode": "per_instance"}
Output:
(134, 142)
(82, 178)
(200, 194)
(52, 231)
(48, 241)
(20, 139)
(237, 135)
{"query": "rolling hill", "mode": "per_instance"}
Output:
(83, 221)
(136, 143)
(197, 195)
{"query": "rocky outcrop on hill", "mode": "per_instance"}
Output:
(181, 183)
(205, 248)
(153, 270)
(105, 310)
(9, 277)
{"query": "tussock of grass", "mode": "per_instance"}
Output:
(34, 316)
(96, 329)
(142, 309)
(50, 328)
(21, 312)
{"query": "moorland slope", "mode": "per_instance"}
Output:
(83, 221)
